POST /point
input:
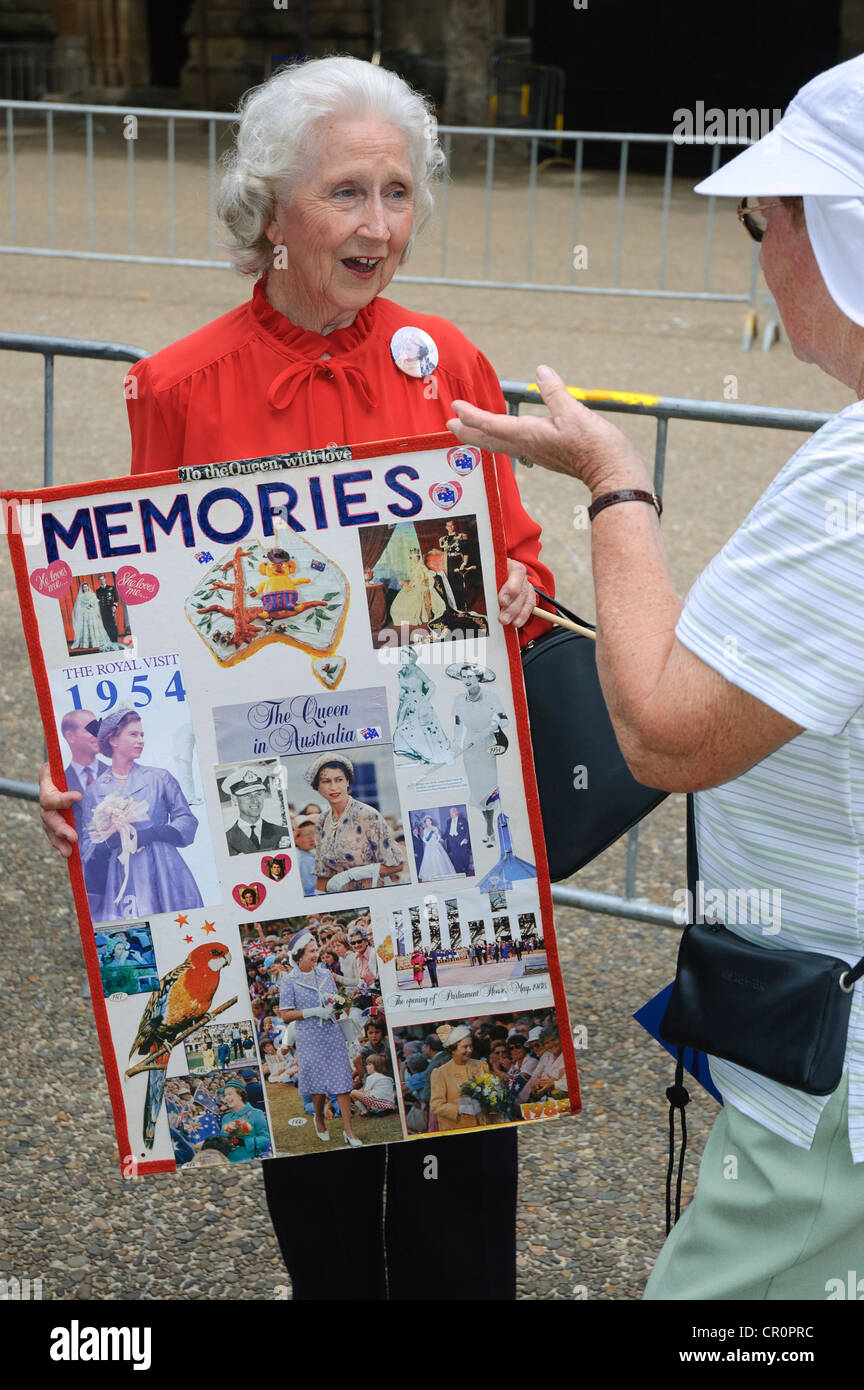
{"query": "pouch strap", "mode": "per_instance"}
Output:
(852, 975)
(678, 1097)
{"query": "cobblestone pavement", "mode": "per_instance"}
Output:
(591, 1202)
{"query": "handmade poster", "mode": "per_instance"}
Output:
(310, 877)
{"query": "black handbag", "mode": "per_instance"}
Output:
(588, 796)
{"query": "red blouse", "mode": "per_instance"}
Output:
(250, 384)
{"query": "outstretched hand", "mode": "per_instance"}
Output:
(574, 440)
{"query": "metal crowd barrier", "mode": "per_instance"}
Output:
(32, 71)
(567, 277)
(660, 408)
(531, 94)
(49, 348)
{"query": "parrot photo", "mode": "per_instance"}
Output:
(183, 999)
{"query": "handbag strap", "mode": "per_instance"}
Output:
(692, 852)
(559, 608)
(677, 1094)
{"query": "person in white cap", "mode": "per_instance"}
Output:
(742, 695)
(250, 833)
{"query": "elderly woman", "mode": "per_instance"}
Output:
(741, 696)
(550, 1074)
(243, 1124)
(455, 1111)
(330, 182)
(132, 865)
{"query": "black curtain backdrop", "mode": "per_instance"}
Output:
(630, 65)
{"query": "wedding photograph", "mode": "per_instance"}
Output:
(424, 581)
(442, 843)
(95, 618)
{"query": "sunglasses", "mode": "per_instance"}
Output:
(752, 217)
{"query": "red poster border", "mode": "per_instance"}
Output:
(141, 482)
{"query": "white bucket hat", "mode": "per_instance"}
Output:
(815, 152)
(817, 148)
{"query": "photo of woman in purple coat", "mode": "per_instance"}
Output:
(133, 820)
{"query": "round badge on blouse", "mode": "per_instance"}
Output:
(414, 352)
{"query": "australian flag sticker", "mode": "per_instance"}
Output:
(371, 734)
(445, 495)
(464, 459)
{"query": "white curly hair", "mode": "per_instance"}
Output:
(275, 144)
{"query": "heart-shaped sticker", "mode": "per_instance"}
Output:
(54, 581)
(464, 459)
(249, 896)
(445, 495)
(275, 866)
(134, 587)
(329, 670)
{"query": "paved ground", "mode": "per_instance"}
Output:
(591, 1208)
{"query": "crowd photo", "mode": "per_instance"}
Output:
(218, 1118)
(321, 1031)
(488, 1070)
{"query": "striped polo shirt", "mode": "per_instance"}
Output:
(780, 613)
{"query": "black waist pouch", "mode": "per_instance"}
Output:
(781, 1013)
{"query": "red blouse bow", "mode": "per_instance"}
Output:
(284, 387)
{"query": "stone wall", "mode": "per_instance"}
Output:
(246, 39)
(26, 21)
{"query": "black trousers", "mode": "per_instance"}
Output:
(419, 1229)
